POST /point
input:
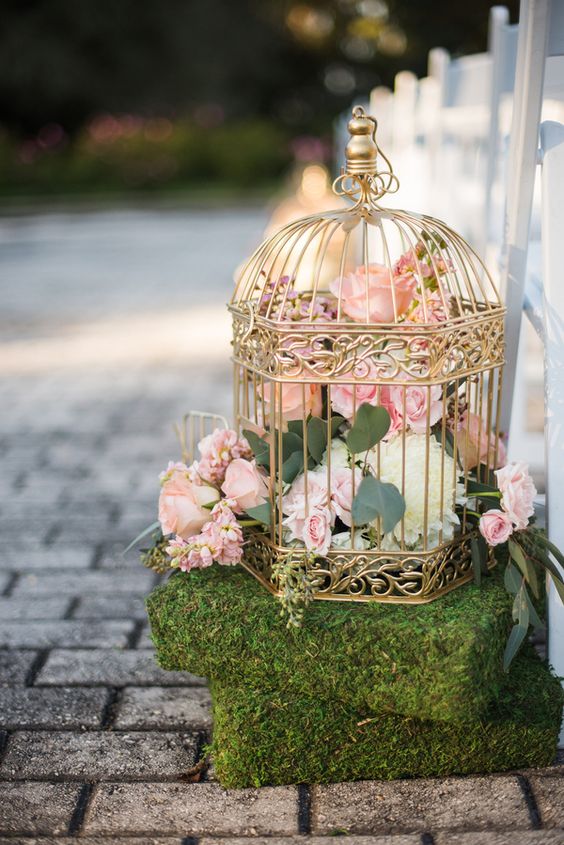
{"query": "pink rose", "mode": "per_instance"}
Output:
(480, 446)
(370, 299)
(417, 400)
(294, 502)
(345, 398)
(298, 401)
(244, 484)
(342, 491)
(495, 527)
(517, 493)
(317, 531)
(181, 506)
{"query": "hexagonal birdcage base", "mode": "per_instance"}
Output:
(399, 577)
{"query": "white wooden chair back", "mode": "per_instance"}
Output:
(552, 152)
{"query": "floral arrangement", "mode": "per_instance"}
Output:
(360, 466)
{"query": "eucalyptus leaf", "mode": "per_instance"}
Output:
(316, 438)
(534, 618)
(479, 557)
(512, 579)
(373, 499)
(291, 442)
(519, 631)
(261, 512)
(146, 531)
(371, 424)
(292, 466)
(526, 565)
(296, 427)
(260, 447)
(475, 487)
(553, 549)
(516, 637)
(336, 423)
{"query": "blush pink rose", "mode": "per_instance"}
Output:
(294, 502)
(478, 447)
(181, 506)
(244, 484)
(517, 493)
(495, 527)
(317, 531)
(342, 491)
(419, 401)
(346, 398)
(368, 298)
(298, 400)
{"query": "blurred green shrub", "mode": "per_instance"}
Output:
(130, 153)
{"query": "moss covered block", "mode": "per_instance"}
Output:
(440, 661)
(261, 737)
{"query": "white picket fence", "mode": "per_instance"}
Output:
(466, 142)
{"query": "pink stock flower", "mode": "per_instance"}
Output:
(197, 554)
(225, 534)
(346, 398)
(478, 446)
(298, 400)
(245, 484)
(432, 311)
(317, 531)
(495, 527)
(369, 297)
(218, 450)
(517, 493)
(181, 505)
(180, 471)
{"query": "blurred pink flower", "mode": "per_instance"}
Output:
(476, 445)
(370, 298)
(298, 400)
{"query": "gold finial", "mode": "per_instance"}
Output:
(361, 152)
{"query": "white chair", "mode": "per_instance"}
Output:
(552, 152)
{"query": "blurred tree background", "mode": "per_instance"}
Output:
(138, 94)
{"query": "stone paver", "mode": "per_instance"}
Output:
(49, 607)
(523, 837)
(59, 707)
(91, 755)
(472, 803)
(180, 708)
(16, 560)
(15, 666)
(196, 809)
(70, 583)
(48, 634)
(28, 808)
(111, 607)
(4, 581)
(110, 668)
(548, 790)
(95, 840)
(400, 839)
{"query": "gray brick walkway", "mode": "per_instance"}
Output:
(112, 327)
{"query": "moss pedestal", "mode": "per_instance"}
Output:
(359, 691)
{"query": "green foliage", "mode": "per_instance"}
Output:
(268, 736)
(297, 590)
(370, 425)
(479, 557)
(441, 660)
(156, 558)
(363, 691)
(261, 512)
(376, 499)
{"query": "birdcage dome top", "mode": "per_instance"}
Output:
(365, 264)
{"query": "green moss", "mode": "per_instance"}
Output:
(265, 738)
(441, 660)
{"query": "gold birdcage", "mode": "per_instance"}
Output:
(406, 319)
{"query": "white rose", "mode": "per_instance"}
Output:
(343, 541)
(417, 488)
(340, 457)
